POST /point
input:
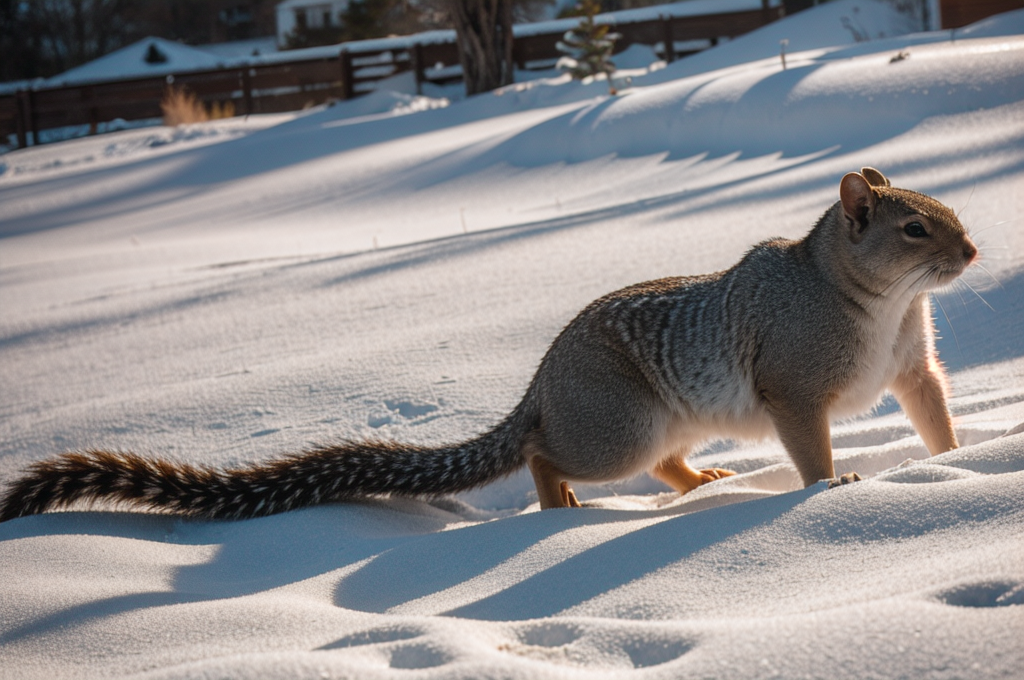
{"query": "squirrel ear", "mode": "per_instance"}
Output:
(875, 177)
(858, 204)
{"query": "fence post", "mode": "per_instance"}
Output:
(418, 67)
(247, 89)
(520, 46)
(33, 118)
(21, 117)
(668, 39)
(347, 86)
(89, 100)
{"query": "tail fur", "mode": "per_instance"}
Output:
(320, 475)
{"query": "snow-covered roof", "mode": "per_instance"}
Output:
(131, 62)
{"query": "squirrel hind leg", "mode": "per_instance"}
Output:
(678, 474)
(552, 489)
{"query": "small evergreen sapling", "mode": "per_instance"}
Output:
(588, 47)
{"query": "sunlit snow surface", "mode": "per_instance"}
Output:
(396, 267)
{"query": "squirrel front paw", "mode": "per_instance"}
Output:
(847, 478)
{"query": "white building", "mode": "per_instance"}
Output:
(292, 14)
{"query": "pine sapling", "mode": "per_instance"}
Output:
(588, 47)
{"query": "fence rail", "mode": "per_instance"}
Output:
(288, 86)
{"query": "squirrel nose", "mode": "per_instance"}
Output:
(970, 252)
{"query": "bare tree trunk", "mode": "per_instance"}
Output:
(483, 31)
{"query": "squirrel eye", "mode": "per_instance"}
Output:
(915, 230)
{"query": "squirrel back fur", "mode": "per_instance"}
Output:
(796, 334)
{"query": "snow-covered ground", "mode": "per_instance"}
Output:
(397, 266)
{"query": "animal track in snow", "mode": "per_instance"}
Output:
(550, 635)
(402, 647)
(419, 655)
(571, 644)
(984, 594)
(654, 650)
(403, 409)
(376, 636)
(408, 409)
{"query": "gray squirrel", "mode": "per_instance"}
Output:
(796, 334)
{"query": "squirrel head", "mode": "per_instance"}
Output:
(898, 235)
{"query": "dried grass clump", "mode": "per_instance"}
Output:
(182, 107)
(225, 110)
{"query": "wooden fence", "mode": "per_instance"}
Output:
(288, 86)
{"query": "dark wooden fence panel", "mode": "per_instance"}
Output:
(370, 67)
(445, 54)
(288, 86)
(957, 13)
(9, 118)
(274, 88)
(436, 63)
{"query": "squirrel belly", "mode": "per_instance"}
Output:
(793, 336)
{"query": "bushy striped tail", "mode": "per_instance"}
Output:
(324, 474)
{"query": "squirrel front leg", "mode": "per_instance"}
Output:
(921, 392)
(805, 433)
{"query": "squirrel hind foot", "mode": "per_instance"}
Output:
(569, 499)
